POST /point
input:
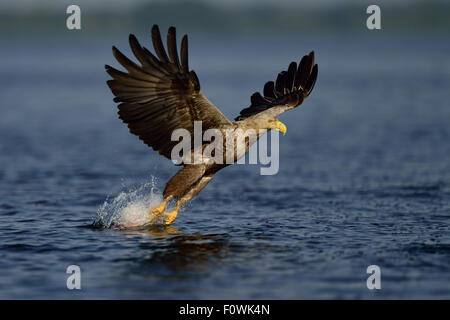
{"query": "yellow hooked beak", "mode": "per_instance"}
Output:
(278, 125)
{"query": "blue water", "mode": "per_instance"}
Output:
(364, 175)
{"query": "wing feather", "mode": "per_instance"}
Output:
(160, 95)
(158, 45)
(269, 90)
(172, 47)
(288, 91)
(184, 55)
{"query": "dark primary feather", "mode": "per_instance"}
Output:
(184, 54)
(158, 45)
(288, 91)
(172, 47)
(161, 94)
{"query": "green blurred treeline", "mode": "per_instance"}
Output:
(415, 16)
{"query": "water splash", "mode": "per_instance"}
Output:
(129, 208)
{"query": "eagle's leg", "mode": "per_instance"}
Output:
(178, 186)
(191, 193)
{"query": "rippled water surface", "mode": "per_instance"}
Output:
(364, 176)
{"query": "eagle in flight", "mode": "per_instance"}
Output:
(161, 95)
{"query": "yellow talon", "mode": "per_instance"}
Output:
(156, 212)
(171, 216)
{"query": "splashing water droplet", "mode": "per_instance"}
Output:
(130, 208)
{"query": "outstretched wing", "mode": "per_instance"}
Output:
(161, 94)
(289, 91)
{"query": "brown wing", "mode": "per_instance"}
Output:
(289, 90)
(161, 94)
